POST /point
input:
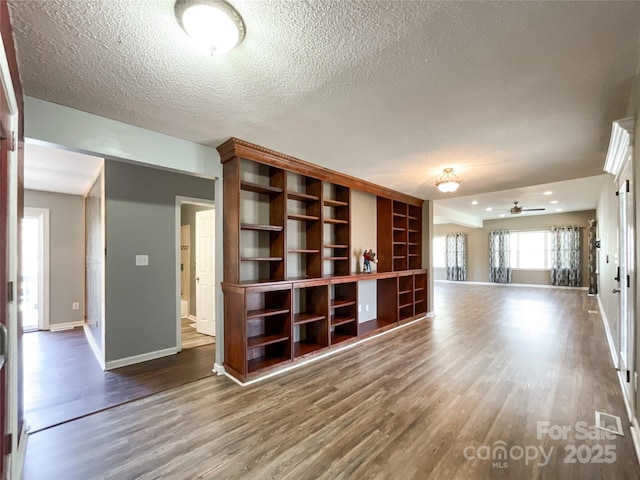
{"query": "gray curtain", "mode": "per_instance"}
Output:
(457, 256)
(565, 256)
(593, 256)
(499, 258)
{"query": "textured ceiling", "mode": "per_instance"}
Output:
(508, 93)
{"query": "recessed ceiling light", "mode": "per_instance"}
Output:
(553, 202)
(488, 209)
(213, 24)
(475, 202)
(548, 192)
(558, 209)
(501, 215)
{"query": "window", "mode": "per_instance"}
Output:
(531, 250)
(440, 252)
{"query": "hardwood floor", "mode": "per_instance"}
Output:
(190, 338)
(63, 380)
(429, 401)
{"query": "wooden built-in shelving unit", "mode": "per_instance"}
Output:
(289, 288)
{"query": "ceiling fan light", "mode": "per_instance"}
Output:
(448, 182)
(214, 25)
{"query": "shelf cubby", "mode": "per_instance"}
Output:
(310, 320)
(268, 326)
(336, 217)
(304, 227)
(344, 317)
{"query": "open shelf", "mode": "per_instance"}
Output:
(336, 246)
(373, 325)
(302, 318)
(264, 362)
(335, 203)
(297, 216)
(261, 259)
(303, 348)
(295, 250)
(266, 312)
(264, 228)
(258, 188)
(338, 337)
(302, 197)
(262, 340)
(337, 320)
(342, 303)
(336, 221)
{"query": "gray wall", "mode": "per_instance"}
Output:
(478, 244)
(188, 217)
(66, 252)
(140, 219)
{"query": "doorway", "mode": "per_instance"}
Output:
(34, 263)
(196, 273)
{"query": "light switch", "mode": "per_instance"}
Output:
(142, 260)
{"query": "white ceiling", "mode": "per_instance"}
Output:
(54, 170)
(567, 196)
(509, 93)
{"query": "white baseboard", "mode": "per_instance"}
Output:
(612, 346)
(123, 362)
(332, 351)
(511, 284)
(94, 347)
(17, 457)
(218, 369)
(56, 327)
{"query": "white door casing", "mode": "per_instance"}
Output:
(626, 279)
(205, 272)
(42, 215)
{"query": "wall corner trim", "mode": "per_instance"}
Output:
(93, 345)
(123, 362)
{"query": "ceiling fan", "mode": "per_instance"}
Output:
(516, 209)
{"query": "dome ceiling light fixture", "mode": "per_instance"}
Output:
(213, 24)
(448, 182)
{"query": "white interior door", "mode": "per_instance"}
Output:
(205, 272)
(625, 288)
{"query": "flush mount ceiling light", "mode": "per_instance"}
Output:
(448, 182)
(213, 24)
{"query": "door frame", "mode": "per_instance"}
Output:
(42, 214)
(15, 426)
(180, 200)
(626, 284)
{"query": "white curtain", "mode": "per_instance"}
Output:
(499, 257)
(457, 256)
(565, 256)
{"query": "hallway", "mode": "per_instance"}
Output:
(418, 403)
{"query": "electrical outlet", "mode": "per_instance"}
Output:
(359, 308)
(142, 260)
(75, 305)
(366, 307)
